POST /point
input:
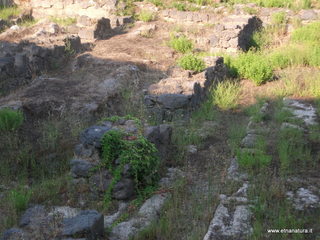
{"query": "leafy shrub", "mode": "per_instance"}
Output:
(253, 66)
(10, 120)
(20, 199)
(191, 62)
(146, 16)
(136, 151)
(181, 44)
(226, 94)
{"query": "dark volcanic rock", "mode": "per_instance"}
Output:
(88, 224)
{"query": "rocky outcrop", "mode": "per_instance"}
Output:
(148, 213)
(20, 62)
(234, 33)
(40, 222)
(177, 96)
(70, 8)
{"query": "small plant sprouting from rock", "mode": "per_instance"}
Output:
(120, 149)
(191, 62)
(10, 120)
(20, 199)
(68, 48)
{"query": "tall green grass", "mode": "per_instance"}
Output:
(10, 120)
(7, 12)
(226, 95)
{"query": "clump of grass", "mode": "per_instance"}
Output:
(20, 199)
(146, 16)
(157, 3)
(28, 23)
(191, 62)
(179, 6)
(251, 11)
(10, 120)
(181, 44)
(63, 21)
(226, 95)
(293, 4)
(8, 12)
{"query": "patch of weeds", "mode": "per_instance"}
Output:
(226, 95)
(8, 12)
(254, 111)
(125, 8)
(279, 18)
(191, 62)
(308, 33)
(68, 49)
(146, 16)
(294, 154)
(10, 120)
(179, 6)
(136, 151)
(236, 133)
(293, 84)
(64, 21)
(251, 11)
(256, 159)
(28, 23)
(157, 3)
(181, 44)
(20, 199)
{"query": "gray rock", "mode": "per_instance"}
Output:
(303, 199)
(92, 135)
(88, 224)
(308, 15)
(109, 220)
(124, 189)
(14, 234)
(249, 140)
(174, 101)
(151, 208)
(165, 131)
(152, 133)
(64, 211)
(192, 149)
(73, 42)
(32, 214)
(82, 151)
(80, 168)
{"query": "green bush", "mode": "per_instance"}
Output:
(226, 94)
(146, 16)
(191, 62)
(253, 66)
(136, 151)
(181, 44)
(10, 120)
